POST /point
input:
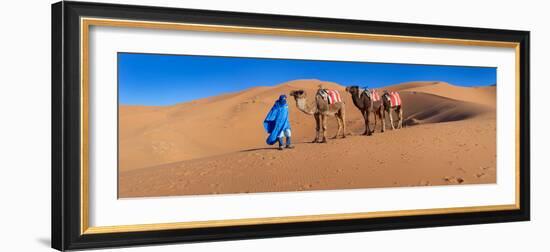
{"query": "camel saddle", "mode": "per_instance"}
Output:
(395, 99)
(370, 93)
(331, 96)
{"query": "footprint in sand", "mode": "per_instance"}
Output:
(454, 180)
(425, 183)
(305, 187)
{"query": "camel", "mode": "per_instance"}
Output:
(320, 111)
(366, 106)
(388, 108)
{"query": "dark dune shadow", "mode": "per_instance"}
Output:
(440, 109)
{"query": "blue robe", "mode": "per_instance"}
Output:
(276, 121)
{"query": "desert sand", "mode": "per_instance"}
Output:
(216, 145)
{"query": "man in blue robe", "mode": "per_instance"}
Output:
(277, 125)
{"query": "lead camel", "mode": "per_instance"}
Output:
(321, 110)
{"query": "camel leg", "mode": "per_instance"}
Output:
(400, 118)
(317, 128)
(391, 120)
(377, 113)
(337, 116)
(324, 125)
(366, 125)
(369, 112)
(366, 118)
(383, 118)
(343, 118)
(375, 121)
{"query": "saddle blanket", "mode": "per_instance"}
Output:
(332, 96)
(395, 99)
(374, 96)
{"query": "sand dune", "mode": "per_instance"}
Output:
(154, 140)
(430, 108)
(407, 157)
(481, 95)
(205, 127)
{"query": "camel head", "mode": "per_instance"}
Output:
(301, 103)
(298, 94)
(352, 90)
(356, 92)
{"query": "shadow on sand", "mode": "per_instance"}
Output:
(257, 149)
(275, 147)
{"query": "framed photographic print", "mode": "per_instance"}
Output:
(180, 125)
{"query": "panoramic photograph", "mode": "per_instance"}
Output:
(203, 125)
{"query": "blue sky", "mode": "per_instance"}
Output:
(155, 79)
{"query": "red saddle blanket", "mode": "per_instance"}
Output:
(332, 96)
(374, 95)
(395, 99)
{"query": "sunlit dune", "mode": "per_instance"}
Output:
(217, 144)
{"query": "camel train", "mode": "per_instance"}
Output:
(328, 103)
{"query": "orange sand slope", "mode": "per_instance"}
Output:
(217, 144)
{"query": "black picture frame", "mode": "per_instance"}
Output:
(66, 114)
